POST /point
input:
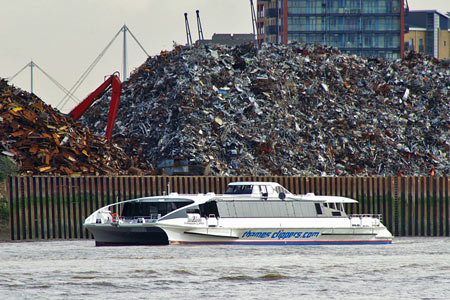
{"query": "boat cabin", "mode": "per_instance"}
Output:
(268, 209)
(263, 200)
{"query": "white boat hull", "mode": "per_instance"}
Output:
(338, 231)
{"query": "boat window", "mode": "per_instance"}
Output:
(318, 208)
(150, 209)
(332, 205)
(325, 204)
(263, 189)
(239, 189)
(268, 209)
(193, 211)
(280, 189)
(209, 208)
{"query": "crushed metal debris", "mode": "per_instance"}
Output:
(302, 110)
(305, 110)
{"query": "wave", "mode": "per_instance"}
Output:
(266, 277)
(237, 278)
(146, 271)
(103, 283)
(83, 277)
(272, 276)
(185, 272)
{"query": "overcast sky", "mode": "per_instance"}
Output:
(63, 37)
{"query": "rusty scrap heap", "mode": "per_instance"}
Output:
(304, 110)
(44, 141)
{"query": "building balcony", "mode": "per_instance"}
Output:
(332, 14)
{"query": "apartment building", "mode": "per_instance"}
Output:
(362, 27)
(428, 33)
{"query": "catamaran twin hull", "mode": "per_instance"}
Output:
(124, 234)
(248, 213)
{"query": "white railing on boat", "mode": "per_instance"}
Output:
(375, 216)
(140, 219)
(365, 220)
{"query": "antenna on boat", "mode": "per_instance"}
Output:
(168, 188)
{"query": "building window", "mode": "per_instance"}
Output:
(445, 43)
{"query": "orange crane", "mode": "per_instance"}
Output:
(115, 84)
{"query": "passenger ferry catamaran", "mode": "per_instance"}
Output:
(266, 213)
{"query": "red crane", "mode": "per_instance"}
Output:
(115, 84)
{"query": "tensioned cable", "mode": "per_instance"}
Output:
(138, 42)
(77, 84)
(15, 75)
(59, 85)
(55, 82)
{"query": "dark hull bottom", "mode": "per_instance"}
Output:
(119, 236)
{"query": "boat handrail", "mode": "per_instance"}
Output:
(374, 216)
(151, 217)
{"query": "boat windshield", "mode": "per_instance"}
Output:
(239, 189)
(151, 209)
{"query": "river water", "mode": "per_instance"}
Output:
(410, 268)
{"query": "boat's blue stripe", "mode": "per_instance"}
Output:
(379, 242)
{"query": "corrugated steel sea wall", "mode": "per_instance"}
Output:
(55, 207)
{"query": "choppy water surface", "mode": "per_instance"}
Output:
(410, 268)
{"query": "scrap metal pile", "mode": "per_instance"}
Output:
(302, 110)
(44, 141)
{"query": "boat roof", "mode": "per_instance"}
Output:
(172, 197)
(209, 196)
(326, 199)
(254, 183)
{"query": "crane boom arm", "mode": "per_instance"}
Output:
(114, 106)
(116, 86)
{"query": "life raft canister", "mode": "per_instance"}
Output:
(115, 218)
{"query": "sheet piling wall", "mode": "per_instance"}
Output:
(44, 208)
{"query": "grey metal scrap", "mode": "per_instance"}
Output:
(285, 110)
